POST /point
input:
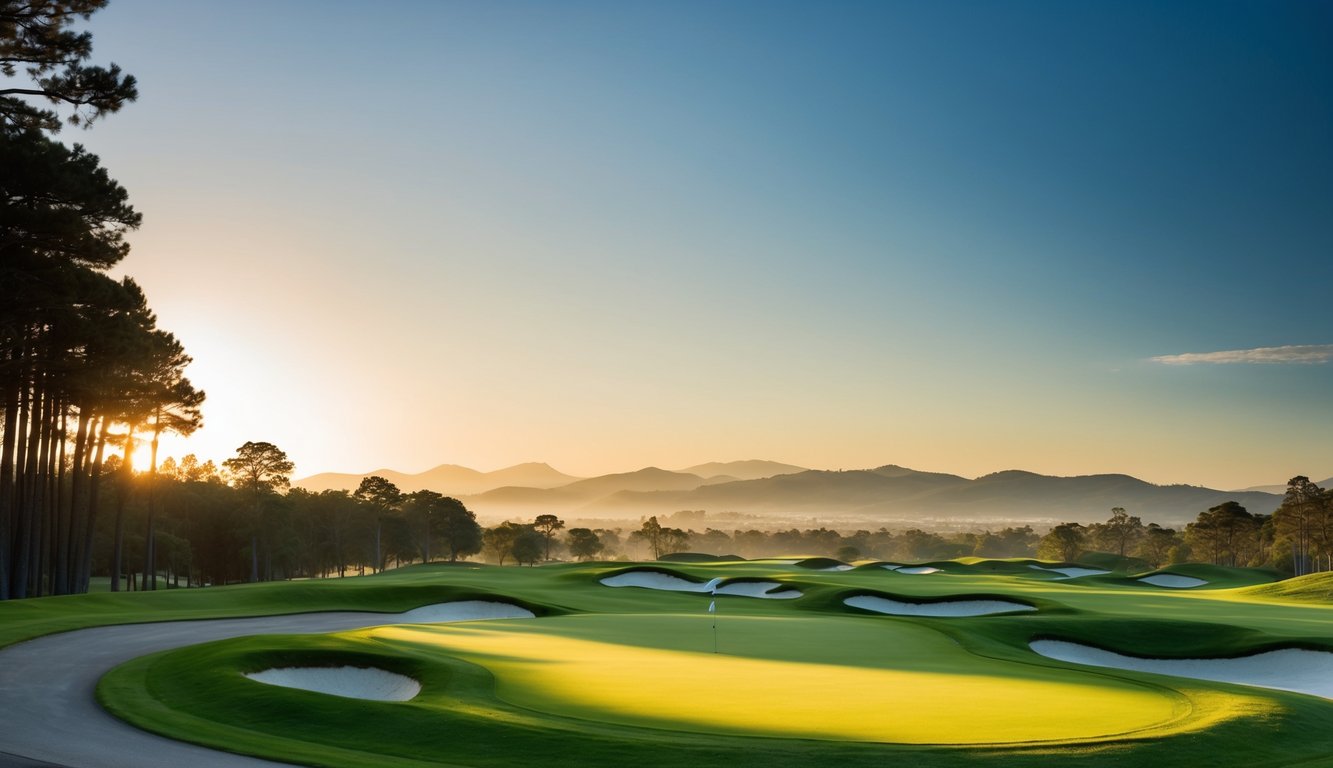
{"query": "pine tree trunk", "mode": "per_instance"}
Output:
(7, 477)
(26, 533)
(69, 512)
(150, 535)
(84, 554)
(126, 477)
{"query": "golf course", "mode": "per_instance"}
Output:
(798, 662)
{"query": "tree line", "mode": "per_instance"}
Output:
(243, 522)
(84, 369)
(1297, 538)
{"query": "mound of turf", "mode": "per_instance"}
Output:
(1311, 588)
(822, 564)
(1217, 576)
(494, 698)
(699, 557)
(1109, 561)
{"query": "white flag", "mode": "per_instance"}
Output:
(712, 606)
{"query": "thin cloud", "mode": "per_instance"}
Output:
(1292, 354)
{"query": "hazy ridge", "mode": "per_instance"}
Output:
(782, 491)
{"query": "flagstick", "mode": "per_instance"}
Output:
(712, 608)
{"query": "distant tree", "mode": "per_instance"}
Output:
(498, 542)
(1156, 544)
(917, 545)
(191, 470)
(1226, 532)
(848, 553)
(383, 498)
(650, 532)
(35, 40)
(457, 528)
(611, 541)
(1118, 534)
(528, 546)
(547, 525)
(259, 469)
(750, 543)
(673, 540)
(1010, 542)
(418, 509)
(1304, 523)
(713, 541)
(1064, 542)
(583, 543)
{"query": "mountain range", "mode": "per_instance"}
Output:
(783, 491)
(446, 478)
(1282, 489)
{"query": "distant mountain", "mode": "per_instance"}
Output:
(811, 491)
(1281, 490)
(449, 479)
(520, 501)
(752, 469)
(898, 493)
(887, 493)
(1087, 498)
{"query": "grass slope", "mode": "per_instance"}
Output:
(615, 676)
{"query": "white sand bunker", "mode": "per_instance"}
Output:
(943, 608)
(838, 568)
(1070, 573)
(1290, 669)
(918, 570)
(1173, 581)
(350, 682)
(463, 610)
(665, 581)
(891, 567)
(655, 580)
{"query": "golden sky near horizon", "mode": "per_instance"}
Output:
(609, 237)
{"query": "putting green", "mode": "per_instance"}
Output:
(609, 677)
(824, 678)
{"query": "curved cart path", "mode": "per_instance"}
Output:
(51, 717)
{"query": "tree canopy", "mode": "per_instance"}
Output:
(38, 46)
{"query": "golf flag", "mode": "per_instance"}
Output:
(712, 606)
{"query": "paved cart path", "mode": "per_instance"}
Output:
(51, 717)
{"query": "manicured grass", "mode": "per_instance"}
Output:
(793, 677)
(615, 676)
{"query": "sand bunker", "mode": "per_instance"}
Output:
(917, 570)
(1173, 581)
(1070, 573)
(377, 684)
(838, 568)
(463, 610)
(665, 581)
(943, 608)
(1290, 669)
(655, 580)
(350, 682)
(891, 567)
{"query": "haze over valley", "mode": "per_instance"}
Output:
(769, 494)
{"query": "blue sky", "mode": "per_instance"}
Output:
(605, 235)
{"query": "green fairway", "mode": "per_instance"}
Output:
(606, 676)
(795, 677)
